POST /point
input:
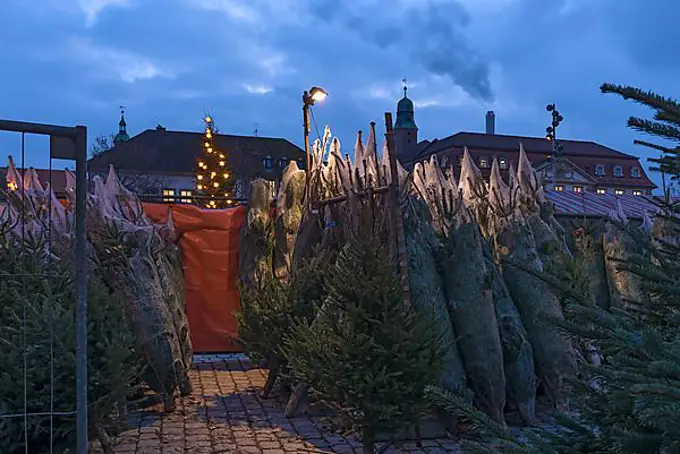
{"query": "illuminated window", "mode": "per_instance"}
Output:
(503, 162)
(483, 163)
(601, 191)
(168, 195)
(559, 187)
(599, 170)
(637, 192)
(618, 171)
(578, 188)
(186, 195)
(619, 192)
(268, 162)
(635, 172)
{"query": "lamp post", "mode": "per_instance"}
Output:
(315, 94)
(551, 136)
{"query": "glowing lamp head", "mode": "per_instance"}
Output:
(208, 119)
(199, 187)
(225, 175)
(216, 184)
(317, 94)
(200, 177)
(207, 144)
(12, 186)
(222, 163)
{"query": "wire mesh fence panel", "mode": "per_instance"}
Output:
(43, 397)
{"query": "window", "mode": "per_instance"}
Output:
(483, 163)
(601, 191)
(599, 170)
(301, 164)
(168, 195)
(619, 191)
(283, 162)
(637, 192)
(578, 188)
(635, 172)
(186, 195)
(503, 162)
(618, 171)
(268, 162)
(559, 187)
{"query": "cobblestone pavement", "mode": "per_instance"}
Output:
(225, 414)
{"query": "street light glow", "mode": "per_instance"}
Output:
(318, 94)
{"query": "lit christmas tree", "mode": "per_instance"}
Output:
(213, 180)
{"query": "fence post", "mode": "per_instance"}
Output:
(81, 291)
(399, 239)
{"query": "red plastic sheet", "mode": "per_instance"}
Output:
(210, 241)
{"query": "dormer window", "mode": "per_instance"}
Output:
(283, 162)
(267, 162)
(618, 171)
(599, 170)
(503, 163)
(301, 164)
(483, 163)
(635, 172)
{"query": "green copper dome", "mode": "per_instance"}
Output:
(122, 135)
(405, 117)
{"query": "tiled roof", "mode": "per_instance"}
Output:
(592, 204)
(585, 155)
(175, 152)
(510, 143)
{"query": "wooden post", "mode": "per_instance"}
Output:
(397, 217)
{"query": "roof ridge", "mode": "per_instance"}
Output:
(166, 131)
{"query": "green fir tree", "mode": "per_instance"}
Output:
(367, 353)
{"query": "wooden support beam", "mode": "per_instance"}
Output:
(397, 216)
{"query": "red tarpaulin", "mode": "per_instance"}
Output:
(210, 241)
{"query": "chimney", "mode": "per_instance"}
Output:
(490, 122)
(160, 128)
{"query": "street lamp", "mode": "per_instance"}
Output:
(551, 136)
(315, 94)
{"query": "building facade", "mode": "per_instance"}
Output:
(161, 164)
(583, 166)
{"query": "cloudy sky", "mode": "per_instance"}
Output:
(247, 62)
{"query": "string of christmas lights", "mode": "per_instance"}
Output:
(213, 179)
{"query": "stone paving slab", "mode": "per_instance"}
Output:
(225, 414)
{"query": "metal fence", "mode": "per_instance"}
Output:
(66, 143)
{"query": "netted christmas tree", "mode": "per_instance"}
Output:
(628, 401)
(214, 182)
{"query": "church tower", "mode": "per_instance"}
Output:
(122, 135)
(405, 129)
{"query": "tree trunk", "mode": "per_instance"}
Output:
(271, 379)
(368, 440)
(296, 400)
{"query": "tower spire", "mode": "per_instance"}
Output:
(122, 135)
